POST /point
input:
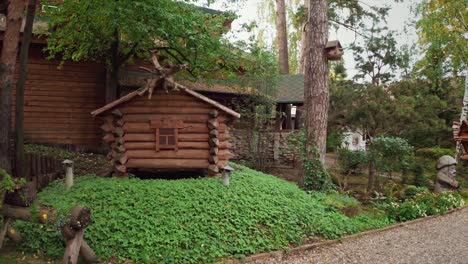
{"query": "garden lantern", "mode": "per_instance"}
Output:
(226, 170)
(68, 173)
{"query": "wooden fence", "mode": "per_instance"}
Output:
(40, 170)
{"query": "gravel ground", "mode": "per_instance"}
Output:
(439, 240)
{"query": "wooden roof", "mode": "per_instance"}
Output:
(141, 92)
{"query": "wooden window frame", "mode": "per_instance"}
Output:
(166, 124)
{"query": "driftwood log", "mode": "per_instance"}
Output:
(74, 226)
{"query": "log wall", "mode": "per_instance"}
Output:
(58, 100)
(203, 142)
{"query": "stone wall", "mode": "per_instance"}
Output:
(275, 150)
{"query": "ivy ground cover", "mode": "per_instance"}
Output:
(191, 220)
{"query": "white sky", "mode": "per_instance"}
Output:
(398, 17)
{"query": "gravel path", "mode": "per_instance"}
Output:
(439, 240)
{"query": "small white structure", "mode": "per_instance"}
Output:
(354, 140)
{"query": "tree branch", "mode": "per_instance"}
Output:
(355, 30)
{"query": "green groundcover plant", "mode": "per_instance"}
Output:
(417, 202)
(192, 220)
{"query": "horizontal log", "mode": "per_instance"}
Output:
(195, 118)
(119, 122)
(144, 127)
(225, 145)
(119, 131)
(108, 138)
(213, 169)
(214, 151)
(213, 142)
(214, 133)
(106, 127)
(164, 110)
(117, 113)
(119, 140)
(168, 163)
(222, 163)
(168, 154)
(214, 113)
(43, 215)
(151, 103)
(225, 154)
(121, 168)
(122, 158)
(213, 123)
(213, 159)
(151, 145)
(181, 138)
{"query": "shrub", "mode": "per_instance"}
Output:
(192, 220)
(419, 202)
(350, 161)
(419, 178)
(434, 153)
(316, 177)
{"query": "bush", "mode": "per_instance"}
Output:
(350, 161)
(316, 177)
(419, 178)
(434, 153)
(419, 202)
(192, 220)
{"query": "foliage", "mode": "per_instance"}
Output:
(315, 176)
(427, 159)
(433, 153)
(390, 153)
(256, 111)
(191, 220)
(419, 178)
(350, 161)
(6, 182)
(377, 57)
(408, 109)
(334, 140)
(83, 162)
(442, 31)
(419, 202)
(119, 31)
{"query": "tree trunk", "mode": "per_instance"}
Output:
(7, 69)
(112, 72)
(282, 36)
(19, 131)
(303, 37)
(316, 76)
(371, 179)
(463, 117)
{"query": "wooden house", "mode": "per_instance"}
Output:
(460, 134)
(168, 129)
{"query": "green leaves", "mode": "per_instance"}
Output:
(192, 220)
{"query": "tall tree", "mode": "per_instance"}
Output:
(282, 35)
(377, 57)
(19, 114)
(442, 31)
(316, 76)
(7, 68)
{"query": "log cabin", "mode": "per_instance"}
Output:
(176, 129)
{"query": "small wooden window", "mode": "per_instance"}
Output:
(166, 138)
(166, 133)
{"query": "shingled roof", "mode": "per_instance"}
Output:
(290, 89)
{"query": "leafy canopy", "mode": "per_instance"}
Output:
(185, 33)
(442, 32)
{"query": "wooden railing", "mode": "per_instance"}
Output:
(39, 171)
